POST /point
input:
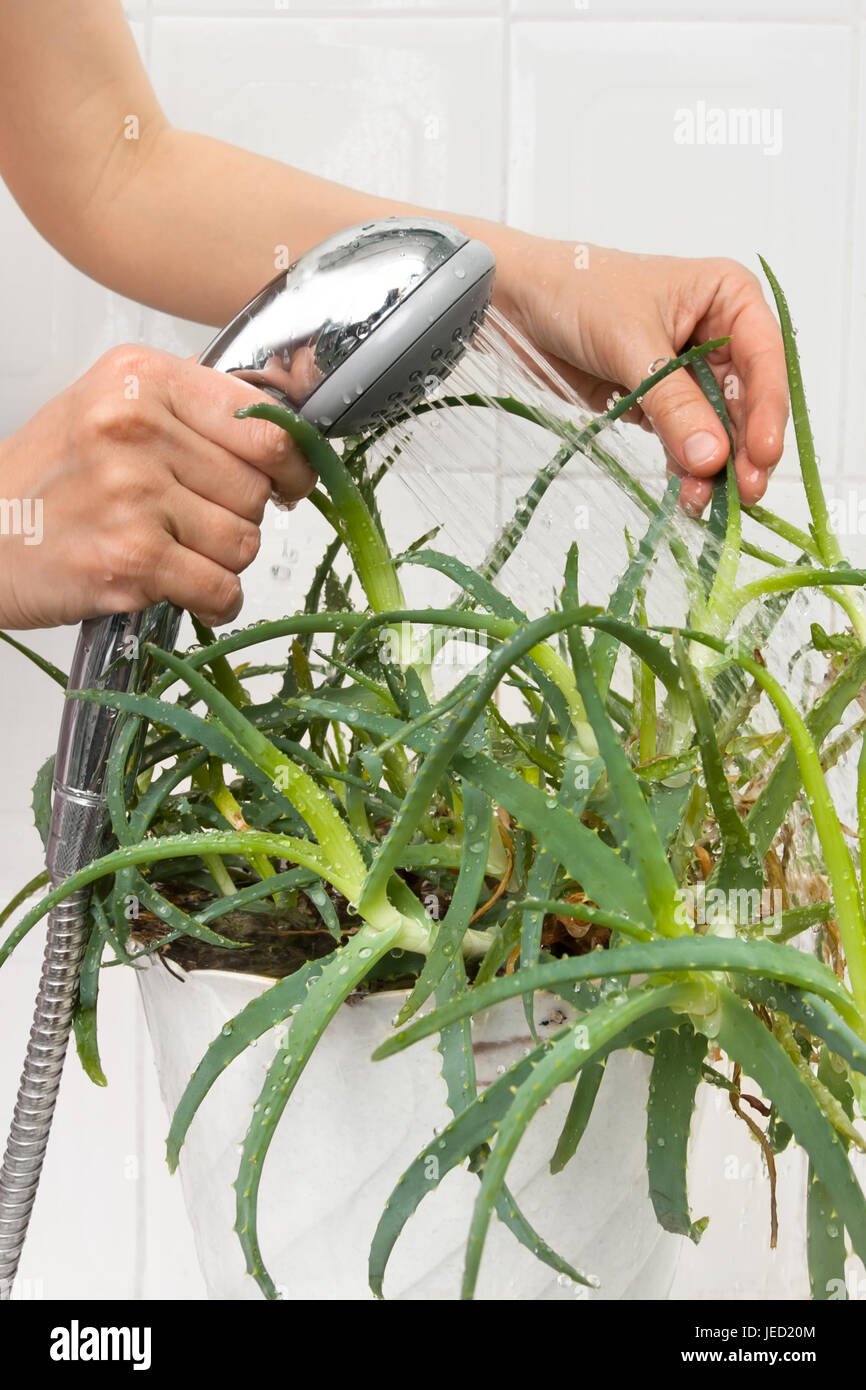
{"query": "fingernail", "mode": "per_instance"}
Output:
(700, 448)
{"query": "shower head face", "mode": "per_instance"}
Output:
(360, 327)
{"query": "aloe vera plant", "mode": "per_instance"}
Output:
(569, 844)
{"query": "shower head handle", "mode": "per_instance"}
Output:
(362, 325)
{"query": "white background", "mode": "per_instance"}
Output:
(554, 116)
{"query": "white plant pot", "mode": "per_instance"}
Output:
(351, 1129)
(353, 1126)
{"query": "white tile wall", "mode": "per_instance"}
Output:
(557, 114)
(589, 10)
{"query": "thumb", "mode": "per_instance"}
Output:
(680, 413)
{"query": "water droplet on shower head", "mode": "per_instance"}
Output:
(460, 272)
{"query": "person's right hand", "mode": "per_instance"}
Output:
(149, 488)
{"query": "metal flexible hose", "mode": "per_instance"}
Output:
(108, 657)
(40, 1078)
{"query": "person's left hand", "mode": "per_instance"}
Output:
(602, 317)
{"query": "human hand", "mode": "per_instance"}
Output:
(602, 317)
(147, 488)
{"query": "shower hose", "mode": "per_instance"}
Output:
(107, 657)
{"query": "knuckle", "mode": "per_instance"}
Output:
(131, 555)
(248, 542)
(222, 597)
(738, 273)
(255, 492)
(267, 443)
(300, 482)
(119, 483)
(666, 401)
(112, 418)
(126, 359)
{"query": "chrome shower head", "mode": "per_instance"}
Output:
(352, 333)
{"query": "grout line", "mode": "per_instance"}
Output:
(148, 32)
(679, 17)
(395, 11)
(853, 205)
(140, 1242)
(505, 112)
(470, 12)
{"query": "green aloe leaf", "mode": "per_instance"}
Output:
(254, 892)
(825, 1232)
(179, 847)
(263, 1013)
(651, 652)
(821, 528)
(456, 729)
(472, 1127)
(674, 955)
(84, 1018)
(837, 856)
(740, 867)
(173, 916)
(676, 1075)
(825, 1241)
(458, 1072)
(815, 1014)
(304, 794)
(477, 813)
(469, 580)
(745, 1038)
(601, 871)
(341, 973)
(568, 1053)
(583, 912)
(604, 646)
(38, 881)
(318, 896)
(637, 836)
(41, 799)
(197, 731)
(579, 776)
(717, 524)
(785, 780)
(579, 1113)
(47, 667)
